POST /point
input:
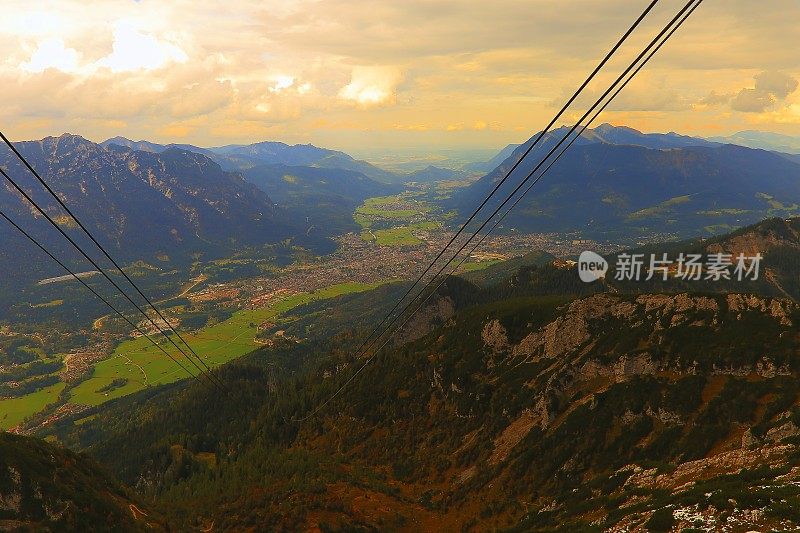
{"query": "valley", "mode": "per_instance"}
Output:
(397, 231)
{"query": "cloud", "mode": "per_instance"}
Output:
(715, 99)
(136, 50)
(770, 87)
(752, 101)
(51, 53)
(282, 81)
(370, 86)
(778, 84)
(331, 71)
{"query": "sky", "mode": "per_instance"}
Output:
(385, 74)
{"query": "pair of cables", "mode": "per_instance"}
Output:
(165, 328)
(373, 343)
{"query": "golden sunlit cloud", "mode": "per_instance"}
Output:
(282, 82)
(371, 86)
(417, 72)
(135, 50)
(51, 53)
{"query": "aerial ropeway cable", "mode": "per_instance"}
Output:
(99, 246)
(93, 291)
(655, 44)
(100, 269)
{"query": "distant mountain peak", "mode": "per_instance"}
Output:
(606, 127)
(119, 139)
(65, 138)
(765, 140)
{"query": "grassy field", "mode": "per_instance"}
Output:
(399, 235)
(143, 364)
(381, 206)
(15, 410)
(384, 208)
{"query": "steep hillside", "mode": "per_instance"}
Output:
(46, 488)
(776, 239)
(321, 200)
(157, 207)
(619, 183)
(538, 414)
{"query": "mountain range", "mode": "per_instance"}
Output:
(175, 204)
(236, 157)
(170, 202)
(618, 183)
(762, 139)
(162, 207)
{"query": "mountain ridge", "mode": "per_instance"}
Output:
(762, 139)
(238, 157)
(141, 205)
(650, 183)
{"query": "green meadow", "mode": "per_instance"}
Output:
(136, 363)
(382, 208)
(143, 364)
(15, 410)
(399, 235)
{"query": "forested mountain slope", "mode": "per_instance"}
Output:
(618, 183)
(162, 207)
(46, 488)
(321, 200)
